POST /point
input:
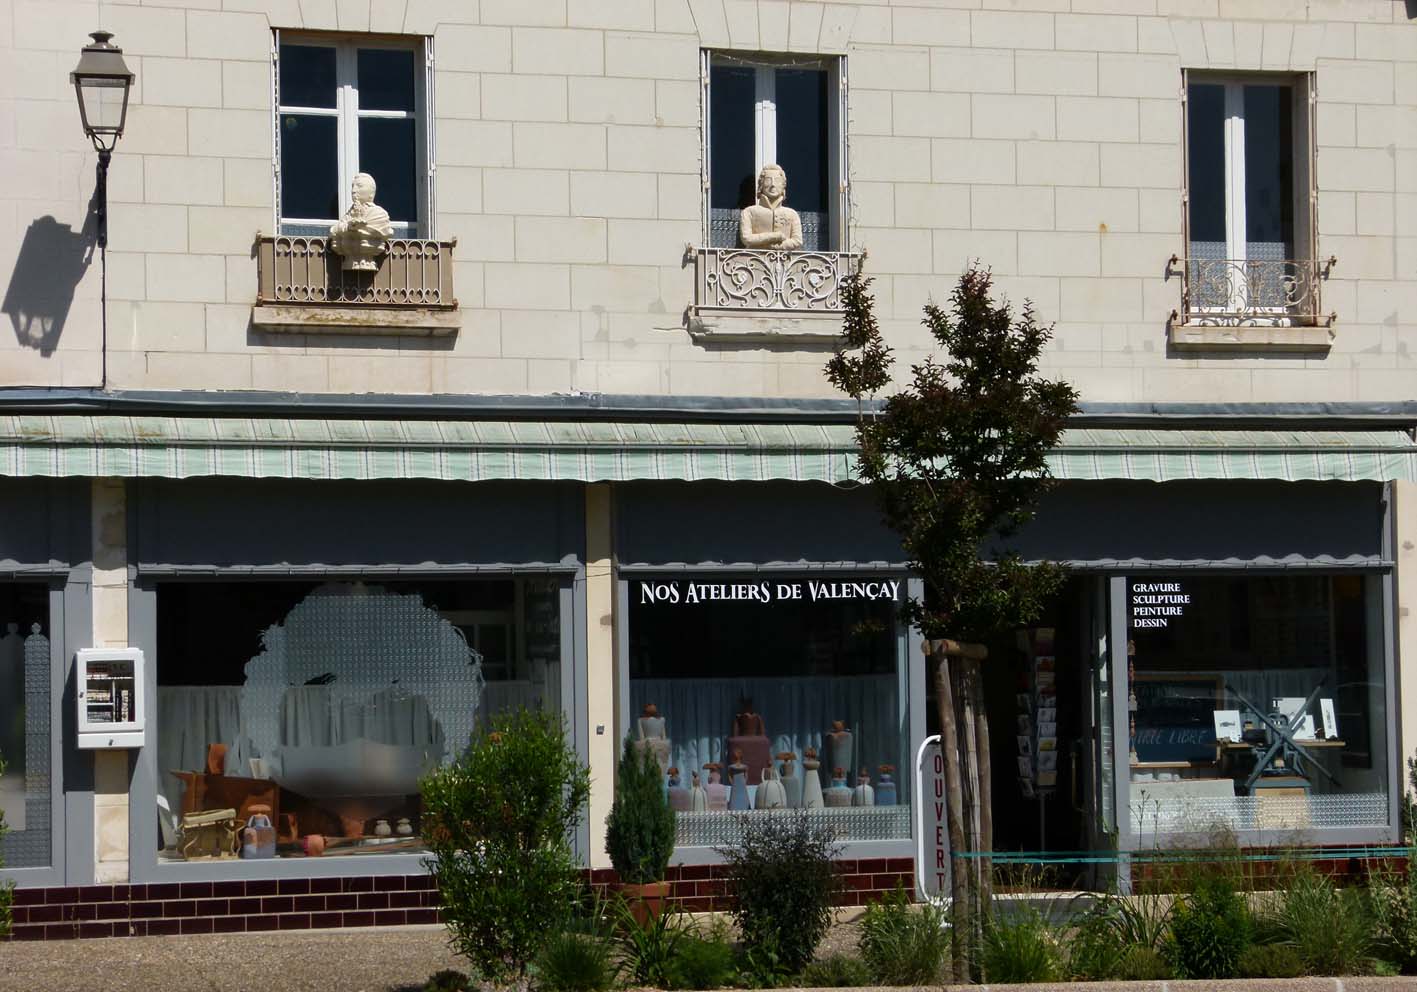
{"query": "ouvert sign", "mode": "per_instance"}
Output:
(932, 835)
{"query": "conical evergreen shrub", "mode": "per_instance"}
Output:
(639, 833)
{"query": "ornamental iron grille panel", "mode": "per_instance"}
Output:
(764, 279)
(301, 270)
(1251, 292)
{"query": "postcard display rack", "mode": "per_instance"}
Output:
(112, 712)
(1037, 730)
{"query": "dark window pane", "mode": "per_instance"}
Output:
(307, 76)
(1269, 171)
(385, 79)
(309, 167)
(731, 180)
(802, 136)
(387, 152)
(1205, 131)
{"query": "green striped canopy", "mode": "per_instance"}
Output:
(599, 451)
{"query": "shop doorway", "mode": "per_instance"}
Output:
(1045, 692)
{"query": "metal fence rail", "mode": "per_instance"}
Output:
(297, 269)
(754, 279)
(1228, 292)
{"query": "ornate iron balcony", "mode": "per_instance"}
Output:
(762, 280)
(1227, 292)
(302, 271)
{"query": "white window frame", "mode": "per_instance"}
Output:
(765, 129)
(348, 114)
(1304, 191)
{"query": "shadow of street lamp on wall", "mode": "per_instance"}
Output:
(101, 83)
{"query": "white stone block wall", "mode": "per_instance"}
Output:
(1042, 137)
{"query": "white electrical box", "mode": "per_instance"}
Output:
(112, 705)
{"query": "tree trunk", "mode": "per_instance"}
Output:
(965, 696)
(986, 792)
(959, 882)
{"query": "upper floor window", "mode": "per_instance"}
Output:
(788, 111)
(1250, 226)
(351, 105)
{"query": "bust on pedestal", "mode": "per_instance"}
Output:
(750, 737)
(768, 223)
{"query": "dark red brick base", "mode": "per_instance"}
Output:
(314, 903)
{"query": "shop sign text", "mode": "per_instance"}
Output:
(1154, 604)
(691, 593)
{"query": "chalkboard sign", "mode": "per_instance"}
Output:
(1175, 717)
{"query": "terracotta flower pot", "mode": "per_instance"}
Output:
(646, 901)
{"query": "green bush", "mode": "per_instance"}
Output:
(1270, 961)
(1142, 964)
(1096, 946)
(1330, 929)
(904, 944)
(639, 833)
(575, 962)
(761, 965)
(783, 881)
(498, 823)
(1210, 928)
(1394, 908)
(704, 961)
(836, 971)
(447, 980)
(648, 951)
(1019, 946)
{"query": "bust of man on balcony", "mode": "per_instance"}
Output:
(767, 223)
(364, 233)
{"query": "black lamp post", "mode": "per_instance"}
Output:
(101, 83)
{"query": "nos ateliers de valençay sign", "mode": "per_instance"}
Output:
(691, 593)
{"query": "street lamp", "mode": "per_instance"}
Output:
(101, 83)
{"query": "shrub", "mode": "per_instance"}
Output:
(836, 971)
(783, 881)
(762, 966)
(639, 833)
(1329, 929)
(447, 980)
(648, 950)
(703, 962)
(575, 962)
(1096, 947)
(1270, 961)
(904, 944)
(1142, 964)
(1394, 908)
(1210, 928)
(498, 822)
(1019, 946)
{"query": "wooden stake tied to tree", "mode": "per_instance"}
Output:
(957, 457)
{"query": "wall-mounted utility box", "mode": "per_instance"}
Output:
(112, 703)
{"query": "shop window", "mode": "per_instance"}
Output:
(766, 666)
(25, 725)
(1250, 238)
(326, 703)
(345, 107)
(1257, 704)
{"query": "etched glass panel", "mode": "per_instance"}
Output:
(25, 725)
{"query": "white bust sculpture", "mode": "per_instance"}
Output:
(767, 223)
(364, 233)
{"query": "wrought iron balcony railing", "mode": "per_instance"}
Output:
(1227, 292)
(754, 280)
(299, 271)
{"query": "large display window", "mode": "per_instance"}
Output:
(25, 725)
(764, 691)
(295, 719)
(1256, 703)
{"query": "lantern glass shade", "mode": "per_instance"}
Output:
(102, 81)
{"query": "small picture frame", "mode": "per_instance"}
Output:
(1329, 715)
(1227, 725)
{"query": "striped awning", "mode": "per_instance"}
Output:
(599, 451)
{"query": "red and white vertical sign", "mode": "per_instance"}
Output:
(932, 835)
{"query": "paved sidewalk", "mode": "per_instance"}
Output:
(362, 960)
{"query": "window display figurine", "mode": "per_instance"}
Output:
(652, 738)
(679, 798)
(716, 791)
(768, 223)
(738, 784)
(863, 794)
(885, 788)
(698, 798)
(771, 794)
(363, 235)
(750, 737)
(839, 745)
(839, 794)
(811, 780)
(791, 782)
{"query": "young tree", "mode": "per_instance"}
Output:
(958, 460)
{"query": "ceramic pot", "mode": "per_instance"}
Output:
(863, 794)
(382, 829)
(771, 794)
(885, 788)
(811, 781)
(716, 791)
(738, 786)
(791, 781)
(839, 746)
(404, 828)
(839, 793)
(646, 901)
(679, 798)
